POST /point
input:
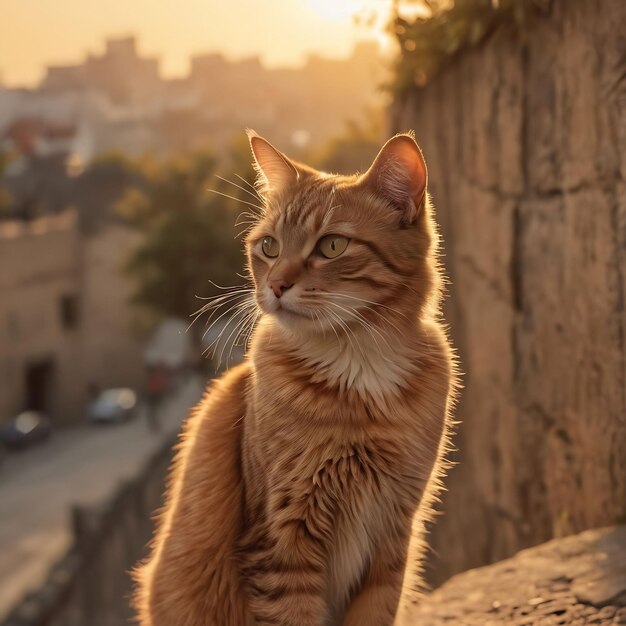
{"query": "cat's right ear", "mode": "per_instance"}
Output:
(275, 171)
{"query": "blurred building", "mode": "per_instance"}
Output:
(64, 313)
(297, 107)
(117, 100)
(64, 318)
(120, 72)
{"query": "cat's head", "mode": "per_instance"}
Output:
(332, 251)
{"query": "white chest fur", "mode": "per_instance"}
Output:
(373, 366)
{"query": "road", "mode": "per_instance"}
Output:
(80, 465)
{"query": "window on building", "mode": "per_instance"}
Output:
(70, 314)
(13, 326)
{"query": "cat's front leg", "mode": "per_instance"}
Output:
(287, 566)
(376, 604)
(191, 577)
(285, 580)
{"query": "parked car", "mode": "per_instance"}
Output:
(25, 429)
(113, 405)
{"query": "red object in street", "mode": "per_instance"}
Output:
(158, 381)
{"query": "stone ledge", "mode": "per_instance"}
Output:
(572, 581)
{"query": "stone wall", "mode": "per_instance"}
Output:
(526, 145)
(575, 580)
(91, 584)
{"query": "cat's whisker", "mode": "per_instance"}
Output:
(213, 310)
(230, 182)
(244, 222)
(332, 326)
(330, 316)
(247, 315)
(248, 336)
(244, 313)
(234, 323)
(208, 298)
(370, 307)
(215, 303)
(218, 301)
(369, 327)
(378, 304)
(254, 189)
(231, 287)
(215, 300)
(265, 202)
(346, 329)
(410, 288)
(242, 232)
(358, 317)
(246, 327)
(230, 307)
(252, 218)
(383, 319)
(236, 199)
(317, 320)
(236, 307)
(217, 297)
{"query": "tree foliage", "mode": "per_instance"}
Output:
(428, 43)
(355, 148)
(187, 236)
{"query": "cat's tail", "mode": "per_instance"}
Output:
(192, 576)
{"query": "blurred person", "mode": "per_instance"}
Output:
(157, 385)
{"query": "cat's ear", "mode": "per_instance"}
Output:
(274, 169)
(399, 174)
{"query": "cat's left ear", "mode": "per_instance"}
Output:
(399, 174)
(274, 169)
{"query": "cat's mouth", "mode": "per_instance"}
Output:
(289, 312)
(286, 310)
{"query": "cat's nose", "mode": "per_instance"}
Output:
(279, 286)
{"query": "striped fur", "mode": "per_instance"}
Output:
(304, 478)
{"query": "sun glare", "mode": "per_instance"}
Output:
(337, 10)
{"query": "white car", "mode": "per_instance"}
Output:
(113, 405)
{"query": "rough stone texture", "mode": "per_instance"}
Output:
(577, 580)
(526, 145)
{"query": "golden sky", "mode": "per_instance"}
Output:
(35, 33)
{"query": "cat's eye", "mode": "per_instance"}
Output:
(270, 247)
(332, 246)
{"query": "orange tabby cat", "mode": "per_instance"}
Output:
(304, 476)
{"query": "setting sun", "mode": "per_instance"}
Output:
(67, 29)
